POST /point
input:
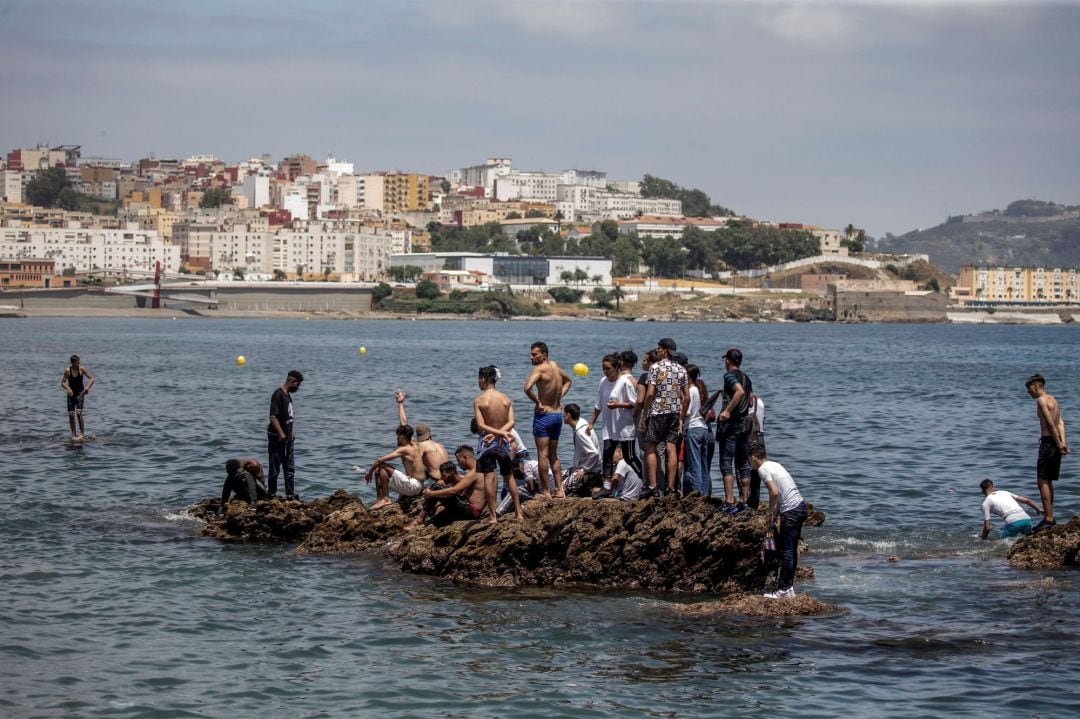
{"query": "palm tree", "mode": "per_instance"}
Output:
(617, 293)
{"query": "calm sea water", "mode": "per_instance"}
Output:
(113, 608)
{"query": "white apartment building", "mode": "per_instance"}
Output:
(350, 251)
(336, 168)
(481, 175)
(535, 186)
(371, 192)
(257, 190)
(91, 249)
(11, 186)
(669, 226)
(295, 200)
(227, 247)
(588, 178)
(588, 203)
(617, 205)
(363, 254)
(348, 191)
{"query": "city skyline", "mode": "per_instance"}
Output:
(886, 116)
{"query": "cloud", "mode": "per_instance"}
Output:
(811, 24)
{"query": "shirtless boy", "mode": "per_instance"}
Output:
(551, 384)
(494, 415)
(464, 498)
(407, 483)
(432, 453)
(1052, 445)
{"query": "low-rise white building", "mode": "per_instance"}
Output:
(509, 269)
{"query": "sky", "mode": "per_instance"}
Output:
(889, 116)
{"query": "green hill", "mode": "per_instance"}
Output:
(1026, 233)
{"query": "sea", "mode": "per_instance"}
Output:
(112, 606)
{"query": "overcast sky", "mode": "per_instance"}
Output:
(883, 115)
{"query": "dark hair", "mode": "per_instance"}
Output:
(613, 360)
(693, 372)
(573, 410)
(74, 358)
(651, 356)
(758, 452)
(295, 374)
(474, 426)
(232, 467)
(985, 485)
(1035, 379)
(540, 346)
(627, 359)
(465, 449)
(734, 356)
(447, 467)
(405, 431)
(489, 374)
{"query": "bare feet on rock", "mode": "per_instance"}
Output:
(380, 504)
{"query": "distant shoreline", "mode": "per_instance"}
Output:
(10, 312)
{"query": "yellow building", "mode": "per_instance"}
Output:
(1017, 284)
(404, 192)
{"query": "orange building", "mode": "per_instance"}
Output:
(31, 273)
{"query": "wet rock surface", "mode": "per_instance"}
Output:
(1051, 548)
(755, 605)
(687, 545)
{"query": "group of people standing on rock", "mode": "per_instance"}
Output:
(667, 413)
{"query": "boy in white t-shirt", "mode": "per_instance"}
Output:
(1007, 506)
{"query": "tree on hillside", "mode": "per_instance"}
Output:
(695, 202)
(626, 255)
(381, 292)
(741, 244)
(664, 255)
(700, 247)
(533, 214)
(216, 197)
(445, 186)
(404, 273)
(52, 188)
(427, 290)
(513, 215)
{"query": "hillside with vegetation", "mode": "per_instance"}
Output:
(1026, 233)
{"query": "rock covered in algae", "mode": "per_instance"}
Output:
(271, 520)
(1050, 548)
(668, 544)
(755, 605)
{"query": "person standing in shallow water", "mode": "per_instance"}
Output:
(73, 381)
(786, 504)
(279, 436)
(1052, 445)
(1007, 506)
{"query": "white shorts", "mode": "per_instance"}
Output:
(405, 485)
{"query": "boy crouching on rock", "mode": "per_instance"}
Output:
(460, 497)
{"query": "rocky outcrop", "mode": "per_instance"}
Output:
(754, 605)
(668, 544)
(1050, 548)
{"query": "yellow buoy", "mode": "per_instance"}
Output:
(362, 350)
(581, 369)
(240, 361)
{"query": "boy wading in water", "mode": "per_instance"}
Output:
(1051, 445)
(73, 382)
